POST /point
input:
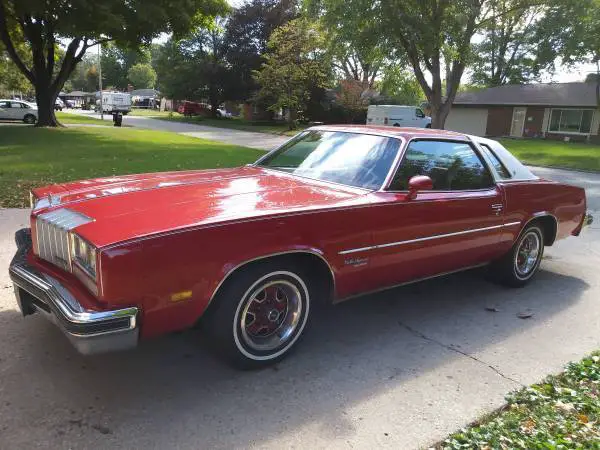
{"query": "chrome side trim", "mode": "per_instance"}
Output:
(406, 283)
(258, 258)
(427, 238)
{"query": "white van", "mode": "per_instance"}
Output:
(115, 102)
(398, 116)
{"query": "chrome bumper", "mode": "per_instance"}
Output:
(89, 331)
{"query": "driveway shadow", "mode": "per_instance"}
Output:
(171, 393)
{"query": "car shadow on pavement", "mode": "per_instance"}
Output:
(171, 392)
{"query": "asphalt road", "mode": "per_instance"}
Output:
(400, 369)
(262, 141)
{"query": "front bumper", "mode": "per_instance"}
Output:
(89, 331)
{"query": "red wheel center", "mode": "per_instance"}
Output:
(266, 312)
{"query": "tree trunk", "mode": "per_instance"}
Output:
(291, 116)
(439, 116)
(214, 102)
(45, 98)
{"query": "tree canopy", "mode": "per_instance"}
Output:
(247, 33)
(506, 52)
(142, 76)
(81, 24)
(295, 62)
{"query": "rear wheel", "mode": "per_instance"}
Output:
(521, 263)
(260, 314)
(29, 118)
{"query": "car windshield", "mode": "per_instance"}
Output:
(353, 159)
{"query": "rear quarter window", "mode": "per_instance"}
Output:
(500, 168)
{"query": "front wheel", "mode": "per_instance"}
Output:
(29, 118)
(260, 314)
(521, 263)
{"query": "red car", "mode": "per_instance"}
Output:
(334, 213)
(193, 109)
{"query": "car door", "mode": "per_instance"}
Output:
(17, 111)
(419, 118)
(456, 225)
(5, 112)
(399, 117)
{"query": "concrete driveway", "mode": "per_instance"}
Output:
(400, 369)
(262, 141)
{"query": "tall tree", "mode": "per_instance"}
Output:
(246, 35)
(11, 78)
(142, 76)
(358, 48)
(399, 86)
(569, 32)
(436, 37)
(507, 47)
(194, 68)
(207, 49)
(295, 63)
(81, 24)
(176, 72)
(85, 75)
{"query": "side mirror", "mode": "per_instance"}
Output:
(418, 183)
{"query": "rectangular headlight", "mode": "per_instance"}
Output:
(84, 255)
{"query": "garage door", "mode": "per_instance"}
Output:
(467, 120)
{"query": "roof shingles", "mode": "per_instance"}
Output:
(543, 94)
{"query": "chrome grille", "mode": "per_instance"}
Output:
(52, 233)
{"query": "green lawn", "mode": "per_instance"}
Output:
(562, 412)
(555, 153)
(69, 119)
(31, 157)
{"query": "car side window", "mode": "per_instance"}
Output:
(452, 166)
(500, 168)
(419, 113)
(15, 105)
(4, 104)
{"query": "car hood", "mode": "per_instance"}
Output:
(132, 206)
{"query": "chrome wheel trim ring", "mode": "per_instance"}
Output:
(291, 334)
(528, 254)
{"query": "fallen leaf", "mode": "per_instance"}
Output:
(527, 426)
(492, 309)
(568, 407)
(583, 418)
(525, 315)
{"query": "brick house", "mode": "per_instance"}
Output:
(545, 110)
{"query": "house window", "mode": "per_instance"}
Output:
(571, 120)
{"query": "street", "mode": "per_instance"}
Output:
(398, 369)
(235, 137)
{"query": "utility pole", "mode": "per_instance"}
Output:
(100, 80)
